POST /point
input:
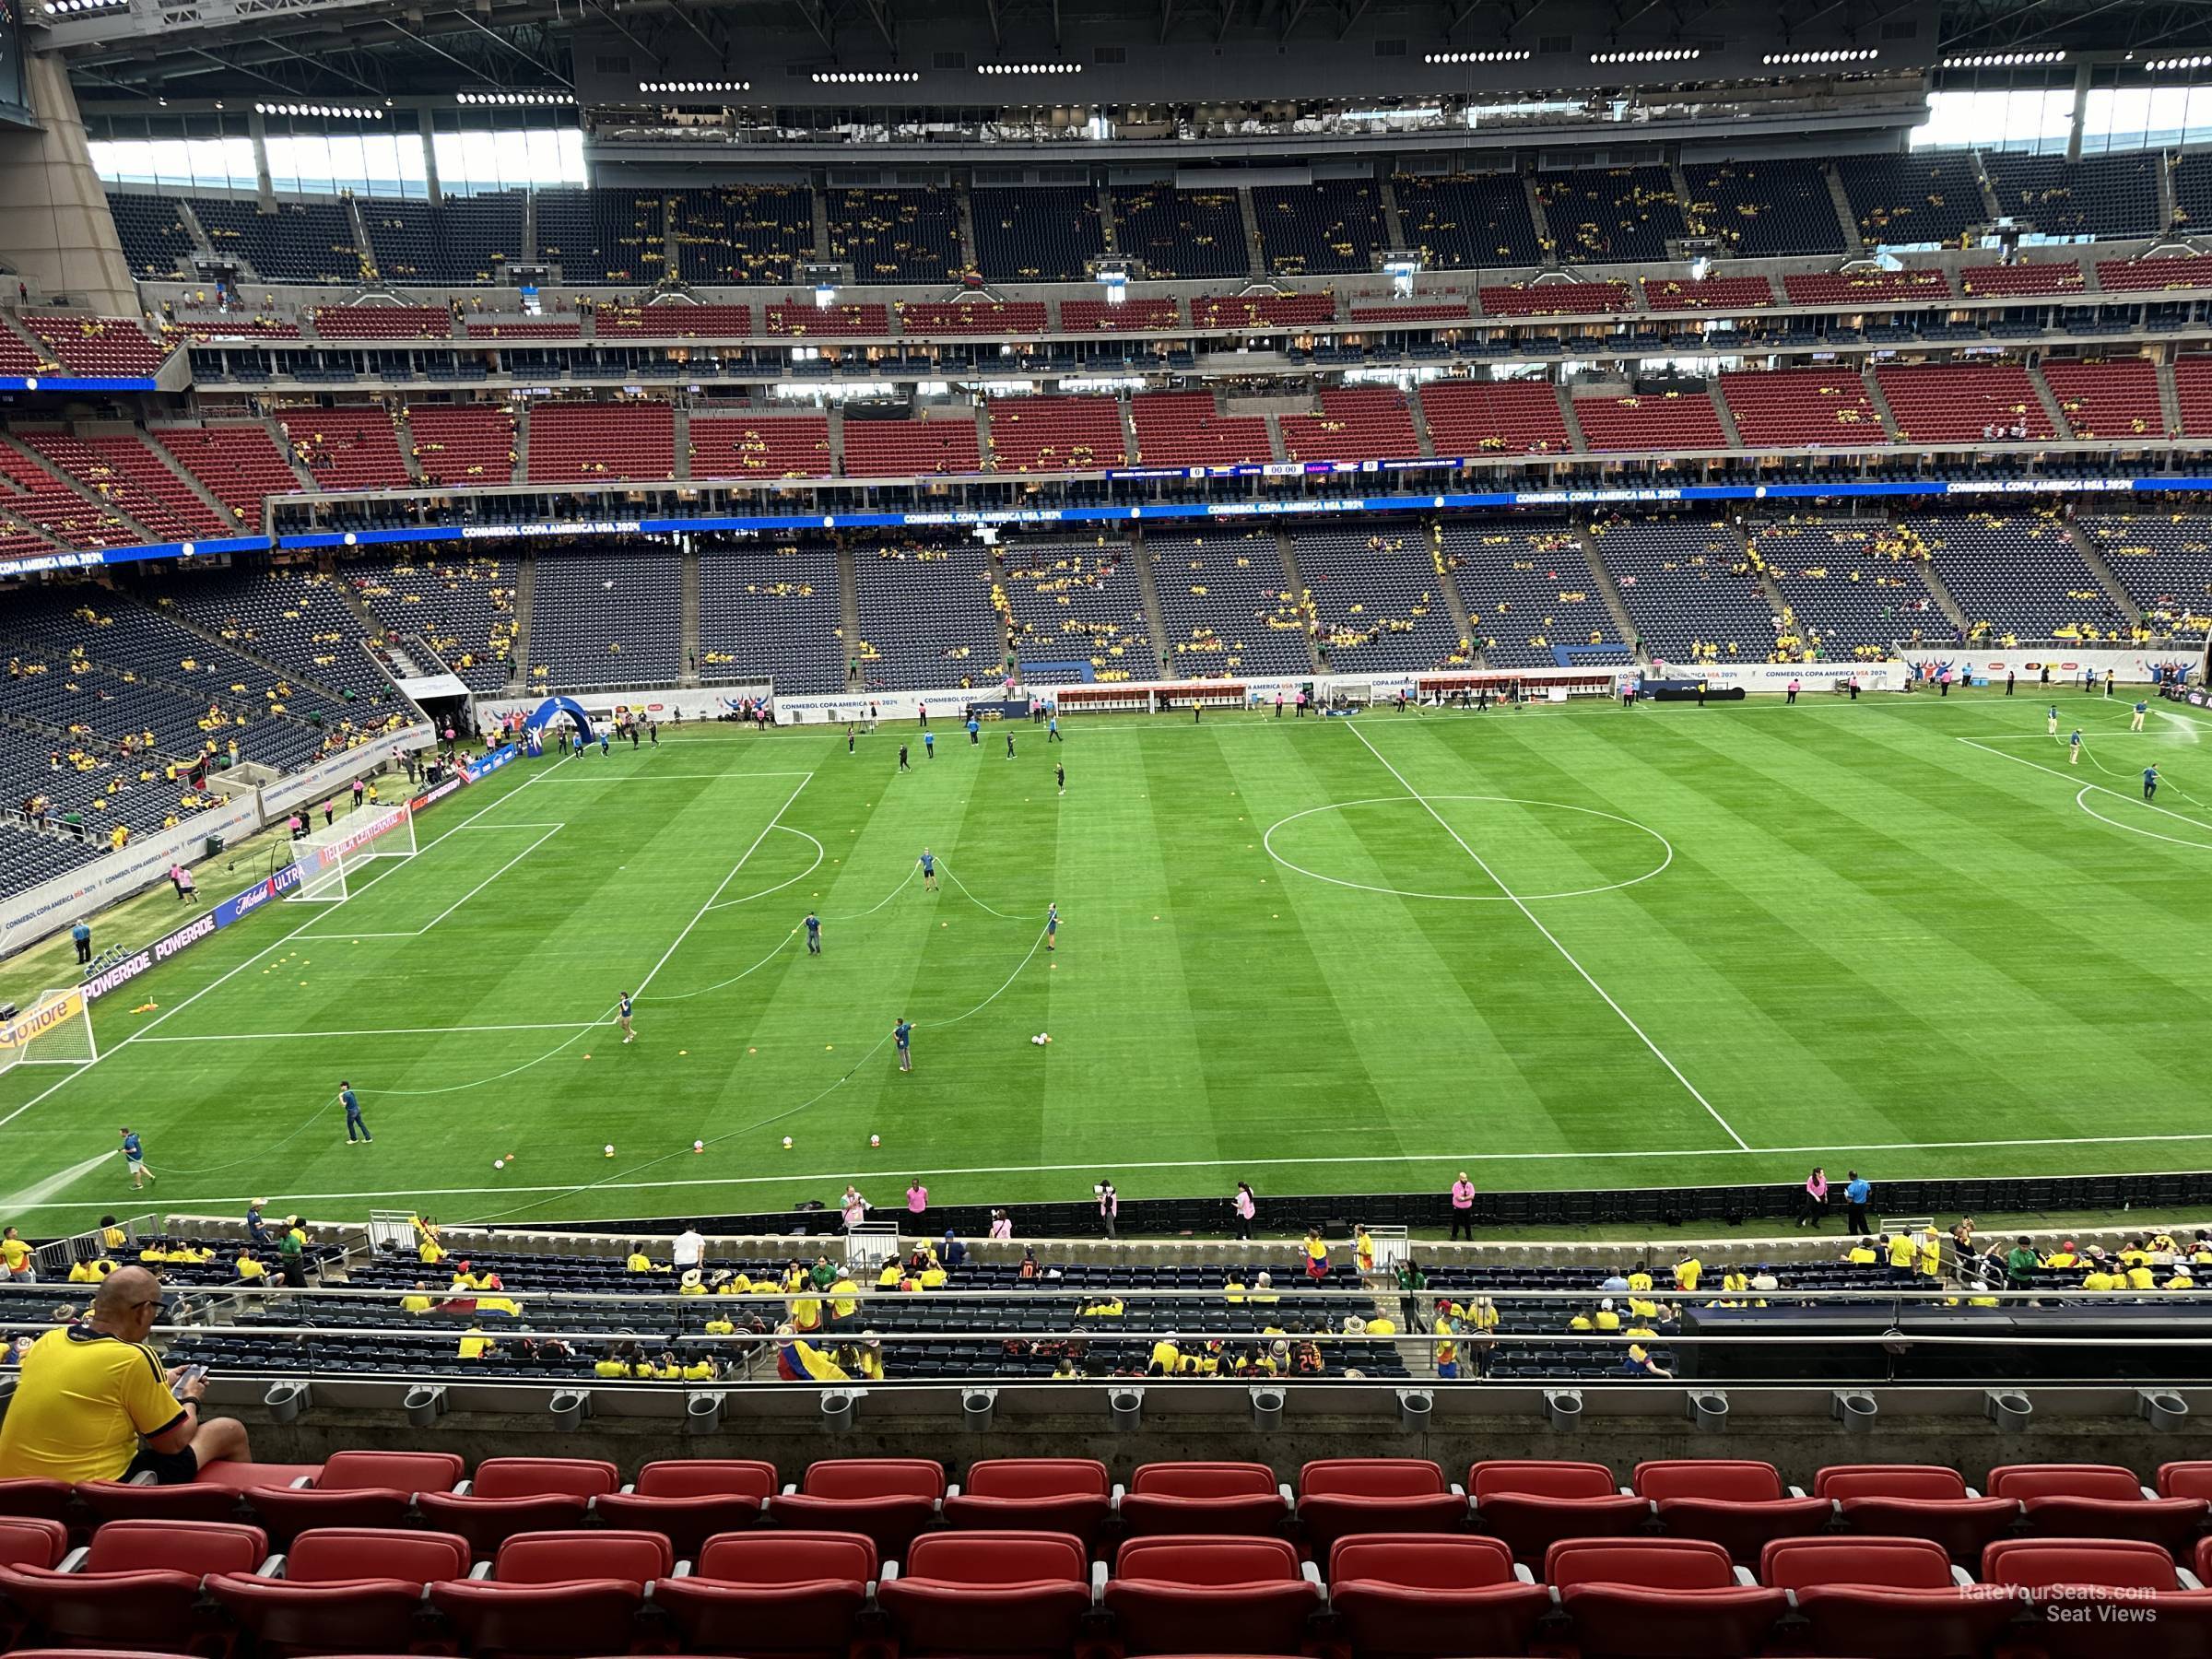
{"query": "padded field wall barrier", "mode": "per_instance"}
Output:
(1793, 1427)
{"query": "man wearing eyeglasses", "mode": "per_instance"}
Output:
(94, 1404)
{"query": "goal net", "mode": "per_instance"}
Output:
(55, 1030)
(326, 855)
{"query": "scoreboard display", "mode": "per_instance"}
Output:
(15, 88)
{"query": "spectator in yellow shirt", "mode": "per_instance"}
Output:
(15, 1257)
(417, 1300)
(249, 1265)
(1688, 1271)
(1862, 1254)
(475, 1344)
(1606, 1319)
(1641, 1278)
(1901, 1248)
(1927, 1252)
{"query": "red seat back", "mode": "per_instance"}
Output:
(1205, 1480)
(1730, 1480)
(996, 1558)
(786, 1558)
(32, 1541)
(2113, 1563)
(636, 1558)
(1891, 1563)
(1888, 1480)
(1421, 1563)
(1650, 1563)
(48, 1499)
(329, 1554)
(1539, 1478)
(543, 1477)
(195, 1547)
(1370, 1478)
(1207, 1561)
(707, 1477)
(2106, 1481)
(395, 1471)
(2185, 1480)
(874, 1477)
(1037, 1478)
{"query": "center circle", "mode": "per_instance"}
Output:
(1555, 847)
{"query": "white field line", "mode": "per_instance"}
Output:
(698, 915)
(550, 832)
(1551, 938)
(1456, 1158)
(463, 1030)
(2072, 777)
(373, 876)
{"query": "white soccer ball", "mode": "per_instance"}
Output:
(498, 1163)
(874, 1140)
(787, 1143)
(1038, 1040)
(610, 1148)
(698, 1146)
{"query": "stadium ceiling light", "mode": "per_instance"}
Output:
(867, 78)
(1861, 54)
(2004, 60)
(1660, 54)
(1029, 68)
(695, 86)
(514, 98)
(2177, 62)
(1521, 56)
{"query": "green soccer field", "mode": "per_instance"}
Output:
(1555, 947)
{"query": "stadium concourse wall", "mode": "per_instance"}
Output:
(45, 910)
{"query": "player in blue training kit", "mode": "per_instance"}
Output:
(975, 728)
(2051, 723)
(929, 746)
(622, 1019)
(2074, 748)
(928, 862)
(902, 1034)
(351, 1101)
(814, 934)
(1052, 925)
(2150, 782)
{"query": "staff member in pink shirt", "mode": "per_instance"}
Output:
(1463, 1208)
(1246, 1206)
(917, 1202)
(1816, 1198)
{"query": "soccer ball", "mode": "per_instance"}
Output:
(610, 1149)
(498, 1163)
(698, 1146)
(874, 1140)
(787, 1143)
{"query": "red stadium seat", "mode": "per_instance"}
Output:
(886, 1499)
(1884, 1598)
(1732, 1501)
(989, 1593)
(2098, 1500)
(558, 1593)
(1533, 1503)
(773, 1595)
(35, 1541)
(1659, 1598)
(2185, 1480)
(513, 1495)
(139, 1585)
(1420, 1598)
(1179, 1498)
(47, 1499)
(120, 1500)
(688, 1501)
(1228, 1596)
(1340, 1496)
(32, 1541)
(343, 1587)
(2150, 1616)
(354, 1488)
(1070, 1494)
(1917, 1501)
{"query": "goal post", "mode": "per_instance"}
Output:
(324, 856)
(55, 1030)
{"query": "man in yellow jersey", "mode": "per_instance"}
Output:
(94, 1404)
(15, 1257)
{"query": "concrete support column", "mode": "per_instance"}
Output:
(264, 188)
(54, 221)
(426, 125)
(2081, 105)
